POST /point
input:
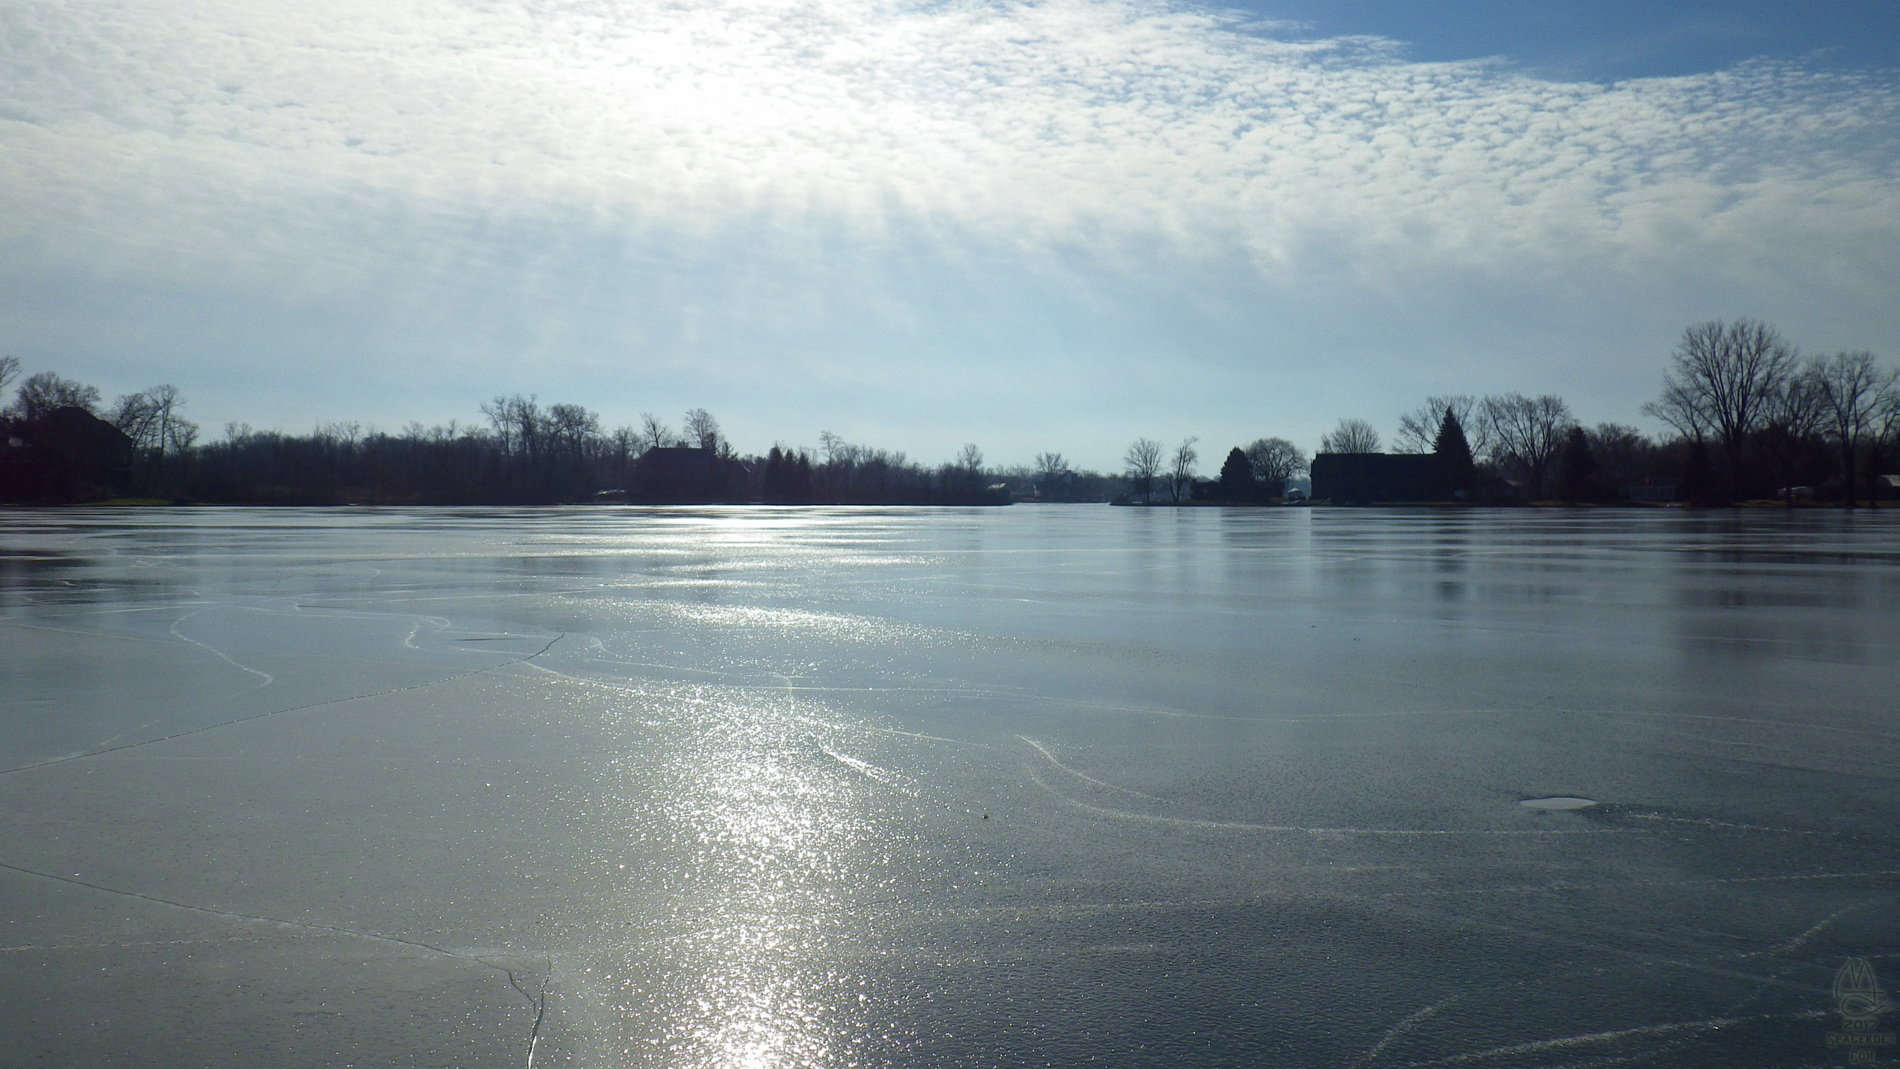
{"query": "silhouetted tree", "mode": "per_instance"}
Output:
(1850, 390)
(46, 391)
(654, 433)
(834, 445)
(1884, 442)
(1721, 384)
(1419, 428)
(1576, 468)
(1697, 484)
(1789, 423)
(1236, 477)
(702, 430)
(571, 429)
(151, 419)
(1143, 465)
(518, 422)
(773, 489)
(1052, 473)
(1275, 460)
(1181, 472)
(1527, 434)
(9, 370)
(1454, 452)
(1351, 436)
(1625, 457)
(623, 447)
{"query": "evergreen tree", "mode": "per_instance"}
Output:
(772, 488)
(799, 490)
(1576, 468)
(1236, 477)
(1454, 456)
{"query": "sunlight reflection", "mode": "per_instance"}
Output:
(773, 834)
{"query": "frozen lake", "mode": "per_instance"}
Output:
(1016, 787)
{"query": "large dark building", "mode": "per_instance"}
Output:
(66, 455)
(1363, 478)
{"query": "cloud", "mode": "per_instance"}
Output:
(780, 149)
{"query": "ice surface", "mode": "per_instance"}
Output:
(1029, 786)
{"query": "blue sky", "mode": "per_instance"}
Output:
(1607, 40)
(1035, 226)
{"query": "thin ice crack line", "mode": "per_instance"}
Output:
(1230, 825)
(1563, 1042)
(126, 945)
(1597, 946)
(280, 712)
(119, 636)
(1558, 886)
(1784, 950)
(234, 915)
(1040, 748)
(538, 1002)
(1398, 1031)
(1795, 943)
(170, 606)
(218, 653)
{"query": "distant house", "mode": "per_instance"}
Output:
(66, 455)
(687, 475)
(1366, 478)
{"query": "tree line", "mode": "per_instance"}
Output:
(1752, 419)
(522, 452)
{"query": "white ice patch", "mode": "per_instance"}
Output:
(1559, 802)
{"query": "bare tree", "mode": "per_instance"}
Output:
(519, 424)
(969, 465)
(345, 432)
(175, 433)
(701, 429)
(1849, 389)
(151, 419)
(1274, 461)
(1143, 462)
(1351, 436)
(1722, 380)
(654, 434)
(1790, 421)
(1181, 473)
(1528, 435)
(1052, 470)
(1418, 429)
(135, 417)
(571, 428)
(1884, 438)
(46, 391)
(833, 445)
(1623, 454)
(9, 370)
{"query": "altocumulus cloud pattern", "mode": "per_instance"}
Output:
(1135, 213)
(1047, 122)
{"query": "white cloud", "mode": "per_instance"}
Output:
(1037, 120)
(312, 147)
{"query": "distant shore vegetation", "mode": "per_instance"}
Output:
(1750, 420)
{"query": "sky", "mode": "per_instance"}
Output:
(1035, 226)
